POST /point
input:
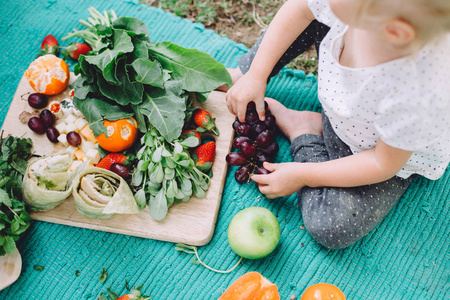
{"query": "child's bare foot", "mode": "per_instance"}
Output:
(294, 123)
(235, 75)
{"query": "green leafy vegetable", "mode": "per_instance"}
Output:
(14, 219)
(166, 110)
(129, 73)
(148, 72)
(198, 71)
(103, 275)
(166, 173)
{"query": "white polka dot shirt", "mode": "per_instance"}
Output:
(405, 102)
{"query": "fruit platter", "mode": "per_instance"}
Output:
(132, 142)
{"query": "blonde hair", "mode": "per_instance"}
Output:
(430, 18)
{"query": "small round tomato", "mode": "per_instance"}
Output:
(121, 134)
(323, 291)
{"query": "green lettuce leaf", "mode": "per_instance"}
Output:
(148, 72)
(165, 110)
(132, 26)
(122, 44)
(197, 70)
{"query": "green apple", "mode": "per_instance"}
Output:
(254, 232)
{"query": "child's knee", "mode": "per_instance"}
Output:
(331, 235)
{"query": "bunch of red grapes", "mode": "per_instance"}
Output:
(256, 143)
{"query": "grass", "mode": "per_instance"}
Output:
(240, 20)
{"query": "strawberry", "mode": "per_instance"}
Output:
(49, 45)
(204, 121)
(77, 49)
(204, 156)
(135, 294)
(126, 297)
(111, 158)
(196, 133)
(131, 296)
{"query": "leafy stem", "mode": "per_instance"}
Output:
(90, 35)
(193, 250)
(13, 211)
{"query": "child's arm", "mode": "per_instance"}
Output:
(368, 167)
(292, 19)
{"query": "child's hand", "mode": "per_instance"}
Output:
(248, 88)
(282, 181)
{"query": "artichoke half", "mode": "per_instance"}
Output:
(100, 193)
(47, 182)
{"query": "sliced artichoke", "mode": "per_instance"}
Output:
(47, 182)
(100, 194)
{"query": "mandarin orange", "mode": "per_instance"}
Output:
(48, 74)
(323, 291)
(121, 134)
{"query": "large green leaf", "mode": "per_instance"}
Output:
(124, 91)
(148, 72)
(96, 110)
(122, 44)
(140, 118)
(110, 70)
(132, 26)
(83, 87)
(83, 67)
(165, 110)
(198, 71)
(140, 47)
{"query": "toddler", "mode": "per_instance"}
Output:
(382, 83)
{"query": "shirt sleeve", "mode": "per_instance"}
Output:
(322, 11)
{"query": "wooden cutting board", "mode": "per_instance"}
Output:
(192, 222)
(10, 267)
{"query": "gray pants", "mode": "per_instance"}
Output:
(335, 217)
(313, 34)
(338, 217)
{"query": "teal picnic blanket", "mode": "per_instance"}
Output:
(406, 257)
